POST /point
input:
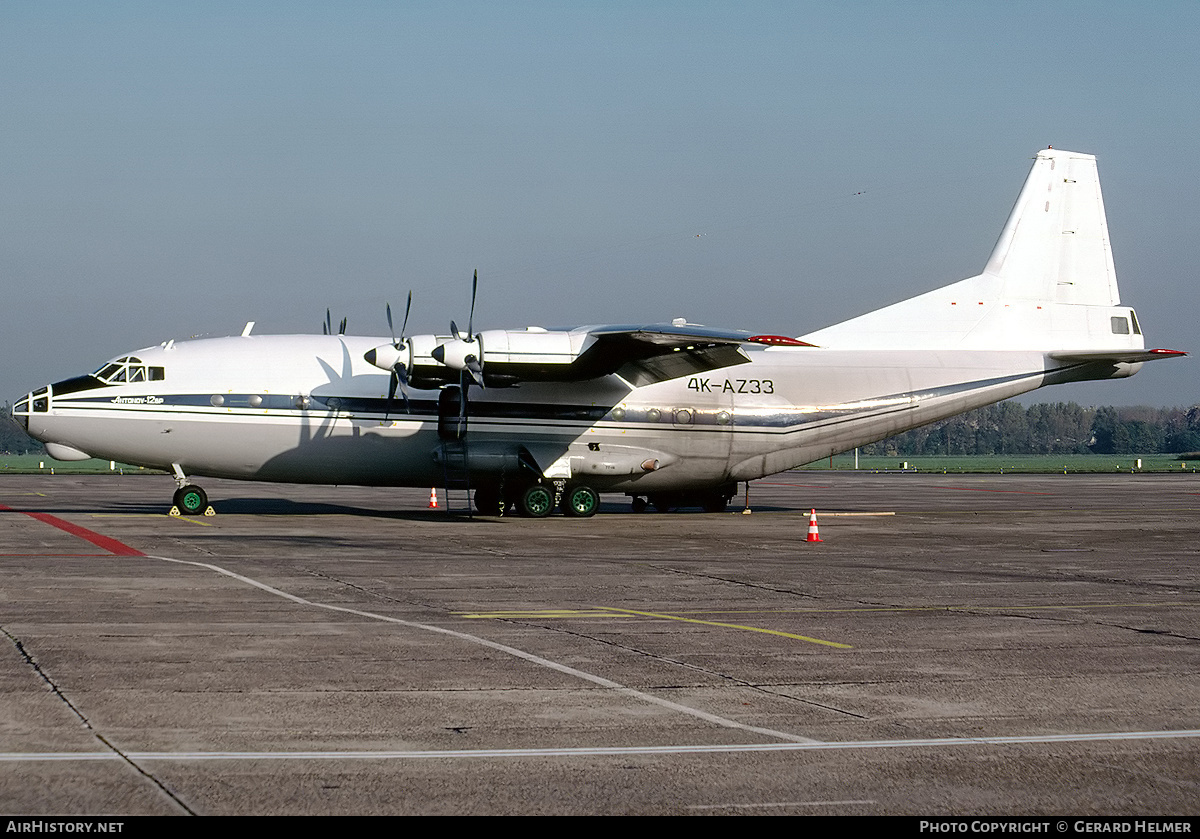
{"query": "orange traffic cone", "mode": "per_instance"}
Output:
(813, 535)
(433, 498)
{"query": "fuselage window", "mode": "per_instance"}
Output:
(1120, 326)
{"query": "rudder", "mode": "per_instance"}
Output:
(1055, 246)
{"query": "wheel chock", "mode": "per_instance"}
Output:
(174, 511)
(209, 511)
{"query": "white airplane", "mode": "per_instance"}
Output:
(669, 414)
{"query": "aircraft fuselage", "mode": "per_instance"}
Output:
(308, 409)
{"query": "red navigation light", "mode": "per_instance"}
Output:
(780, 341)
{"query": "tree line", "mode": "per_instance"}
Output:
(1004, 428)
(1058, 428)
(13, 439)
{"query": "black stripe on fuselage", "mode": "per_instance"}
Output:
(760, 420)
(353, 405)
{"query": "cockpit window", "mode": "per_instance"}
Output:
(129, 369)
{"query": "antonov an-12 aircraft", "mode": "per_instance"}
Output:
(669, 414)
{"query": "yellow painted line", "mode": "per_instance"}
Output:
(603, 611)
(1070, 606)
(149, 516)
(947, 608)
(732, 626)
(545, 613)
(611, 612)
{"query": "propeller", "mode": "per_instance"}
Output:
(399, 374)
(472, 369)
(463, 351)
(396, 358)
(327, 326)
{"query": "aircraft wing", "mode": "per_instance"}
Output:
(643, 355)
(640, 354)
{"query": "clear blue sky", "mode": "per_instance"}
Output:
(170, 169)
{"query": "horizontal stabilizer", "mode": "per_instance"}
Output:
(1116, 356)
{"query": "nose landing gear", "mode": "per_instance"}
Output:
(189, 499)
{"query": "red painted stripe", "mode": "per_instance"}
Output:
(107, 543)
(53, 556)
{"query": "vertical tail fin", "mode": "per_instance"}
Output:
(1048, 285)
(1055, 246)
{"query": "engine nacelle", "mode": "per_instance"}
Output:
(459, 353)
(504, 357)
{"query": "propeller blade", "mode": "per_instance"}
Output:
(398, 378)
(342, 328)
(471, 319)
(325, 327)
(407, 309)
(453, 328)
(392, 329)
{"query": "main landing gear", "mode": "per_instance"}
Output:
(539, 500)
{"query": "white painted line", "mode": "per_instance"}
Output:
(513, 651)
(601, 751)
(843, 515)
(776, 804)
